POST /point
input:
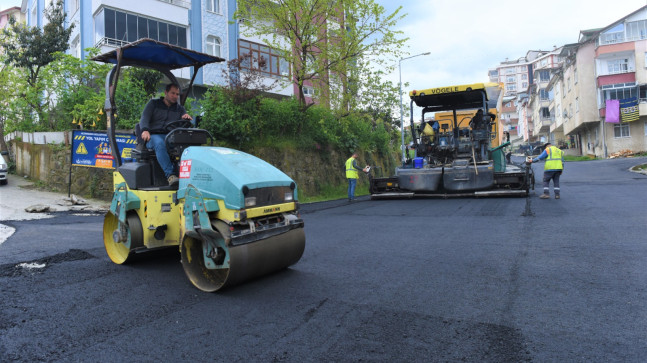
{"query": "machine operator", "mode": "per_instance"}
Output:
(157, 114)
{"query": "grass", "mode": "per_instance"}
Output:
(641, 167)
(332, 192)
(578, 158)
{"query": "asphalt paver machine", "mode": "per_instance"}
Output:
(233, 216)
(455, 156)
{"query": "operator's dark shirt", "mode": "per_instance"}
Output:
(157, 115)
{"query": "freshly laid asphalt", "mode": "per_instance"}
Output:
(434, 280)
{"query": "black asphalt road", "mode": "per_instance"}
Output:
(435, 280)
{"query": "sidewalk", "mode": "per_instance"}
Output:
(20, 194)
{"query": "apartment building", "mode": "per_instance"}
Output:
(12, 12)
(570, 88)
(607, 64)
(202, 25)
(519, 77)
(539, 95)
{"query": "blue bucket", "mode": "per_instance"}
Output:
(417, 163)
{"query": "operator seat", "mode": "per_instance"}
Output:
(145, 171)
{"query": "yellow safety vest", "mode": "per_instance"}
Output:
(351, 173)
(554, 159)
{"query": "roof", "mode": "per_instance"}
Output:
(154, 54)
(460, 97)
(10, 10)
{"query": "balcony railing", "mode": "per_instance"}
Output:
(111, 42)
(182, 3)
(619, 71)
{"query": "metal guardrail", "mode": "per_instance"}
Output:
(111, 42)
(182, 3)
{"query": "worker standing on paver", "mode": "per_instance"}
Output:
(352, 175)
(552, 168)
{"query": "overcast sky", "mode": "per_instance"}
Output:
(4, 4)
(467, 37)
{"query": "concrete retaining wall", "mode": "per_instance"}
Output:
(312, 170)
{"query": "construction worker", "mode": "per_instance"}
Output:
(552, 168)
(411, 151)
(352, 175)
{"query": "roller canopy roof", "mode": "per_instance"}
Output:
(153, 54)
(461, 97)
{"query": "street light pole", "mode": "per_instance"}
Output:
(401, 106)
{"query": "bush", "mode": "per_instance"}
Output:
(264, 121)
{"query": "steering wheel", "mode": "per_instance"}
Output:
(181, 123)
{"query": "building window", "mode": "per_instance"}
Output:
(577, 104)
(309, 91)
(621, 130)
(544, 76)
(643, 93)
(524, 77)
(618, 66)
(34, 18)
(118, 28)
(544, 95)
(511, 79)
(213, 45)
(619, 91)
(511, 87)
(76, 47)
(544, 112)
(613, 35)
(273, 64)
(575, 75)
(213, 6)
(637, 30)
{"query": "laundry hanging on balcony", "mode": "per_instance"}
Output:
(612, 111)
(629, 109)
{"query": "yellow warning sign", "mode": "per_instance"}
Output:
(81, 149)
(125, 153)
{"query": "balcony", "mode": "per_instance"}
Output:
(642, 109)
(628, 77)
(110, 42)
(542, 126)
(181, 3)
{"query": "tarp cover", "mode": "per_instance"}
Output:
(155, 54)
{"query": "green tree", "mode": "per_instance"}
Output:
(32, 48)
(150, 79)
(324, 40)
(5, 94)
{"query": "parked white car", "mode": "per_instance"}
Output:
(3, 170)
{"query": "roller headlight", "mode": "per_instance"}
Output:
(289, 196)
(250, 202)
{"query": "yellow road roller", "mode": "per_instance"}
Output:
(233, 216)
